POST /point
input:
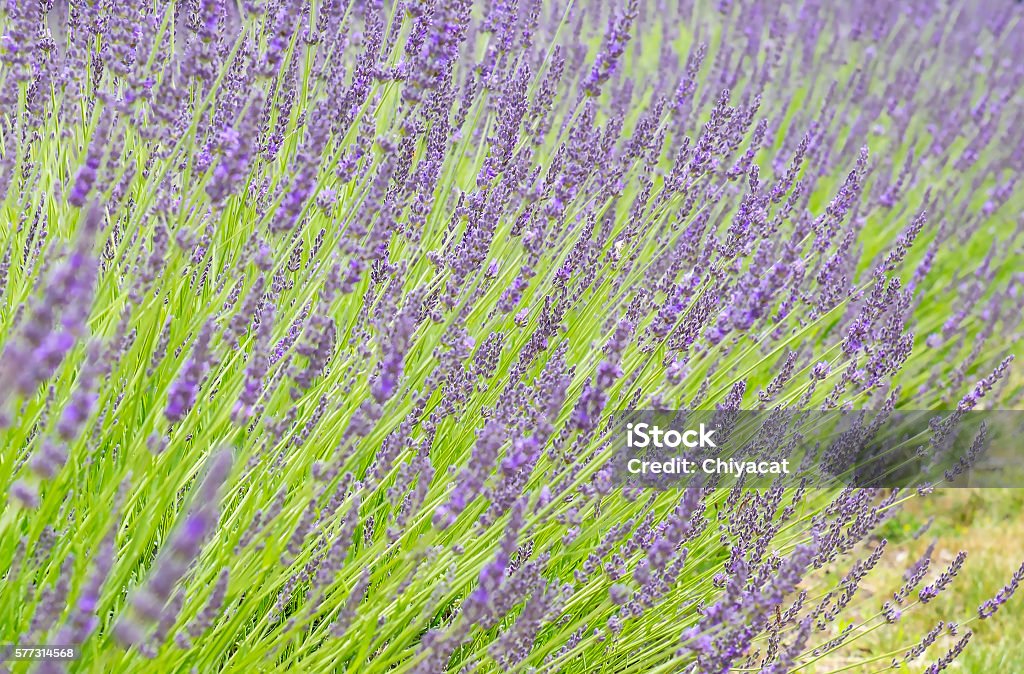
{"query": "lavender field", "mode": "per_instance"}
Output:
(313, 315)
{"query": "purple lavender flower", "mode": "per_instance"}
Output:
(181, 550)
(615, 40)
(931, 591)
(989, 608)
(184, 391)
